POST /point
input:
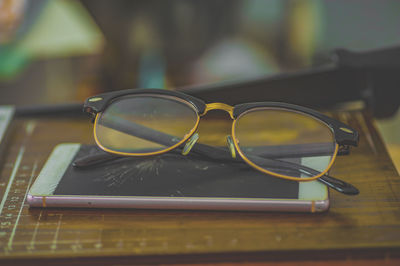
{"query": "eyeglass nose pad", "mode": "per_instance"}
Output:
(189, 144)
(231, 146)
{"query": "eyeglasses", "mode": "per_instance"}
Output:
(278, 139)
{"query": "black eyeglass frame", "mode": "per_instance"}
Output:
(343, 134)
(96, 104)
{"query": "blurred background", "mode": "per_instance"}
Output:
(63, 51)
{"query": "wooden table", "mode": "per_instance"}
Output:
(359, 230)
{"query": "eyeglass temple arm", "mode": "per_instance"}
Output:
(336, 184)
(137, 130)
(222, 154)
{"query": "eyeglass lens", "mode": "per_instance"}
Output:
(286, 137)
(144, 124)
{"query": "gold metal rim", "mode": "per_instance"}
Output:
(235, 141)
(185, 138)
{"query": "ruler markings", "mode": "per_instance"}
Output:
(30, 126)
(54, 242)
(10, 240)
(50, 242)
(16, 166)
(33, 239)
(12, 177)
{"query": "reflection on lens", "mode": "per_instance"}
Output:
(285, 142)
(145, 124)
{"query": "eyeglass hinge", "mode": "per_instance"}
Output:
(91, 113)
(344, 150)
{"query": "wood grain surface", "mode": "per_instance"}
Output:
(358, 230)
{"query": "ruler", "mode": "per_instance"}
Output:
(16, 177)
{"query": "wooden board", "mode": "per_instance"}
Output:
(366, 226)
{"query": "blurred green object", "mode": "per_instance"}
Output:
(12, 61)
(62, 29)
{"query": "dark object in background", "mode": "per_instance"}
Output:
(372, 76)
(175, 32)
(182, 30)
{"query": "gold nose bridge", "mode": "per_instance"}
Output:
(219, 106)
